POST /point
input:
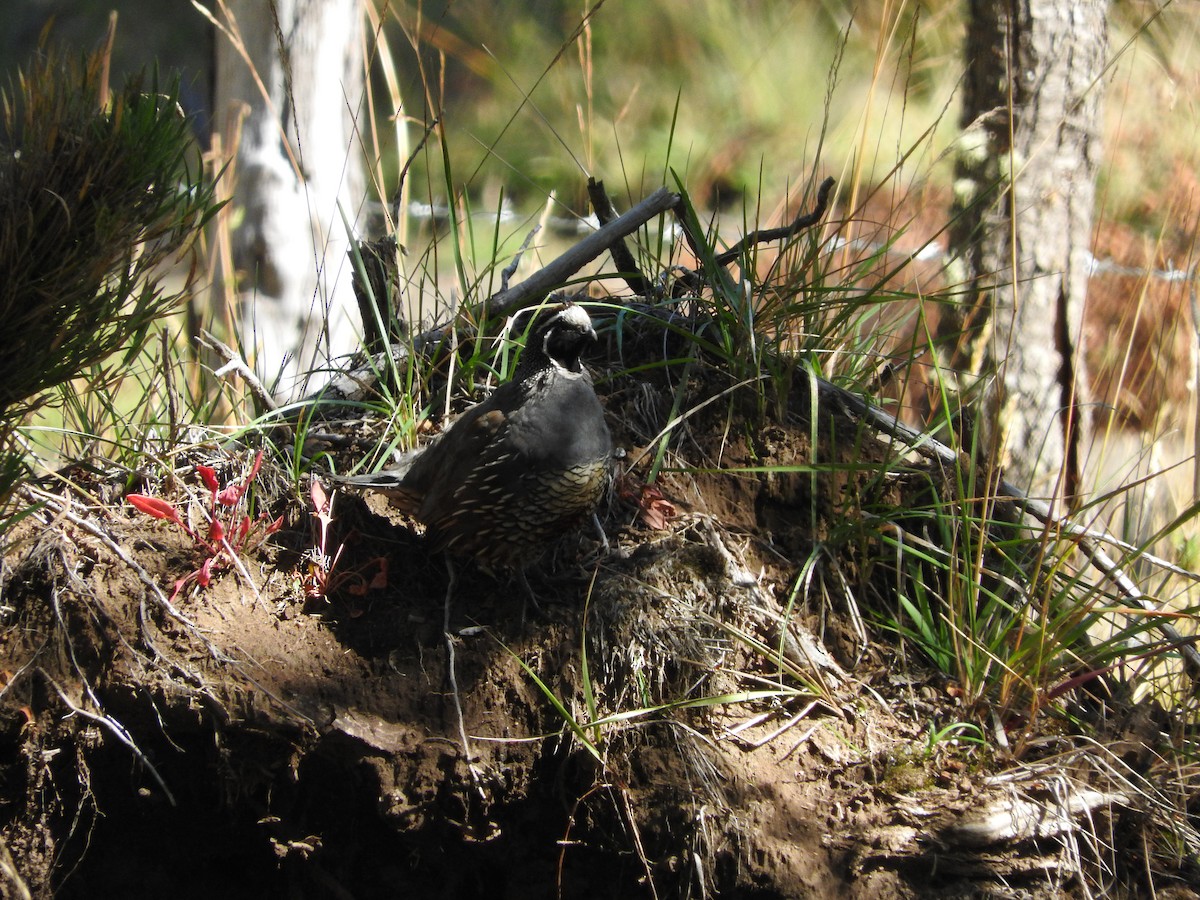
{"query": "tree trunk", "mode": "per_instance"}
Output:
(1024, 194)
(298, 158)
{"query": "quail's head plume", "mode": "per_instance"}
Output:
(514, 472)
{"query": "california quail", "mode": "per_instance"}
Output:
(515, 471)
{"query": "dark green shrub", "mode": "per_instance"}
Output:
(97, 199)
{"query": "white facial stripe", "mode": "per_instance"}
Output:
(575, 316)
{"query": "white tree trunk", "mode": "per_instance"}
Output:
(299, 157)
(1025, 191)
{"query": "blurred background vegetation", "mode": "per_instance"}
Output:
(741, 99)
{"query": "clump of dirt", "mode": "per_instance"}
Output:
(675, 719)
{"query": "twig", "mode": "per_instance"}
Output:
(786, 726)
(235, 363)
(36, 495)
(558, 271)
(627, 808)
(13, 677)
(375, 280)
(240, 568)
(508, 271)
(115, 728)
(354, 385)
(1111, 569)
(764, 235)
(169, 390)
(453, 677)
(624, 260)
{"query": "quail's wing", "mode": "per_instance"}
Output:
(456, 454)
(431, 468)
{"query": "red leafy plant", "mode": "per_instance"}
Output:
(230, 531)
(654, 510)
(320, 579)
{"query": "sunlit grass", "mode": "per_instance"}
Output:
(1010, 613)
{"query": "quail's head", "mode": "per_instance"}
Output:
(560, 335)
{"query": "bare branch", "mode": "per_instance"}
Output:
(763, 235)
(560, 270)
(508, 271)
(235, 363)
(623, 259)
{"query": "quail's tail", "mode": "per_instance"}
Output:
(390, 482)
(387, 480)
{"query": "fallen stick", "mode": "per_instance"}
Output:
(558, 271)
(355, 384)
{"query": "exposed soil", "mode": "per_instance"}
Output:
(259, 742)
(284, 746)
